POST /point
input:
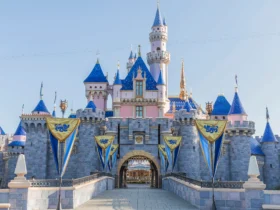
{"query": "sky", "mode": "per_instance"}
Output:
(56, 42)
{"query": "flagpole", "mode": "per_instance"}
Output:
(213, 195)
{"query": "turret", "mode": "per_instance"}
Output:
(91, 104)
(54, 106)
(271, 160)
(131, 61)
(159, 58)
(117, 93)
(41, 108)
(97, 84)
(2, 132)
(239, 132)
(221, 108)
(19, 137)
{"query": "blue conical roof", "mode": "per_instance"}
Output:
(158, 19)
(127, 83)
(187, 106)
(236, 106)
(41, 107)
(117, 80)
(160, 79)
(91, 105)
(2, 132)
(135, 56)
(131, 55)
(96, 74)
(255, 147)
(19, 137)
(221, 106)
(268, 135)
(164, 22)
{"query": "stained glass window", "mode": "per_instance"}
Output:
(139, 88)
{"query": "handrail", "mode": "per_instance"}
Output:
(66, 182)
(207, 184)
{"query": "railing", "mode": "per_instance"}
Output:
(207, 184)
(66, 182)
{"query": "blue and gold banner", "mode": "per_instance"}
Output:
(62, 133)
(211, 133)
(172, 147)
(104, 144)
(113, 156)
(163, 157)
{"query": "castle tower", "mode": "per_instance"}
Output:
(97, 84)
(271, 160)
(221, 108)
(161, 95)
(41, 108)
(183, 92)
(159, 58)
(131, 61)
(117, 93)
(239, 132)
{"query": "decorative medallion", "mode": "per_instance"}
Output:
(139, 139)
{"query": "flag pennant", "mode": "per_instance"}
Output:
(104, 144)
(172, 147)
(163, 157)
(113, 156)
(62, 137)
(211, 133)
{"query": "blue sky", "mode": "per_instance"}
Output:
(56, 42)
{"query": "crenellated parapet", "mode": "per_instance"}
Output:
(158, 36)
(34, 123)
(246, 128)
(158, 57)
(88, 115)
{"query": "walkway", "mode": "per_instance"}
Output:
(136, 198)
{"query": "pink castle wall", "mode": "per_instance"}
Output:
(99, 101)
(240, 118)
(151, 111)
(126, 111)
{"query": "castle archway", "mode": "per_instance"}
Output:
(138, 156)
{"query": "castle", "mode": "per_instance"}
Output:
(142, 114)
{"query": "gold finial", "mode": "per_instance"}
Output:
(63, 106)
(139, 50)
(118, 64)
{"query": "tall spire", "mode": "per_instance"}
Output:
(183, 93)
(117, 77)
(236, 106)
(268, 135)
(158, 19)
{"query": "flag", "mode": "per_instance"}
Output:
(163, 157)
(211, 133)
(113, 156)
(62, 133)
(172, 146)
(104, 144)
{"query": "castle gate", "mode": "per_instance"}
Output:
(138, 155)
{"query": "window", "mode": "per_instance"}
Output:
(139, 88)
(139, 111)
(158, 48)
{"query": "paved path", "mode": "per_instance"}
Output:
(136, 198)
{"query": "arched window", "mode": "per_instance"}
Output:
(158, 48)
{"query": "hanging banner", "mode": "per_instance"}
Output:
(163, 157)
(211, 133)
(172, 147)
(104, 144)
(113, 156)
(62, 133)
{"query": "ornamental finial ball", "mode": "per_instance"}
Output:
(63, 105)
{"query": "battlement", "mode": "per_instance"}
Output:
(158, 35)
(159, 56)
(240, 128)
(88, 115)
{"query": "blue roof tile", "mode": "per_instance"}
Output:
(255, 147)
(236, 107)
(221, 106)
(19, 137)
(127, 83)
(117, 80)
(17, 144)
(96, 74)
(187, 106)
(158, 19)
(2, 132)
(160, 79)
(91, 105)
(268, 135)
(41, 107)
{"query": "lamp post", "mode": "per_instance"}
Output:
(209, 109)
(63, 106)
